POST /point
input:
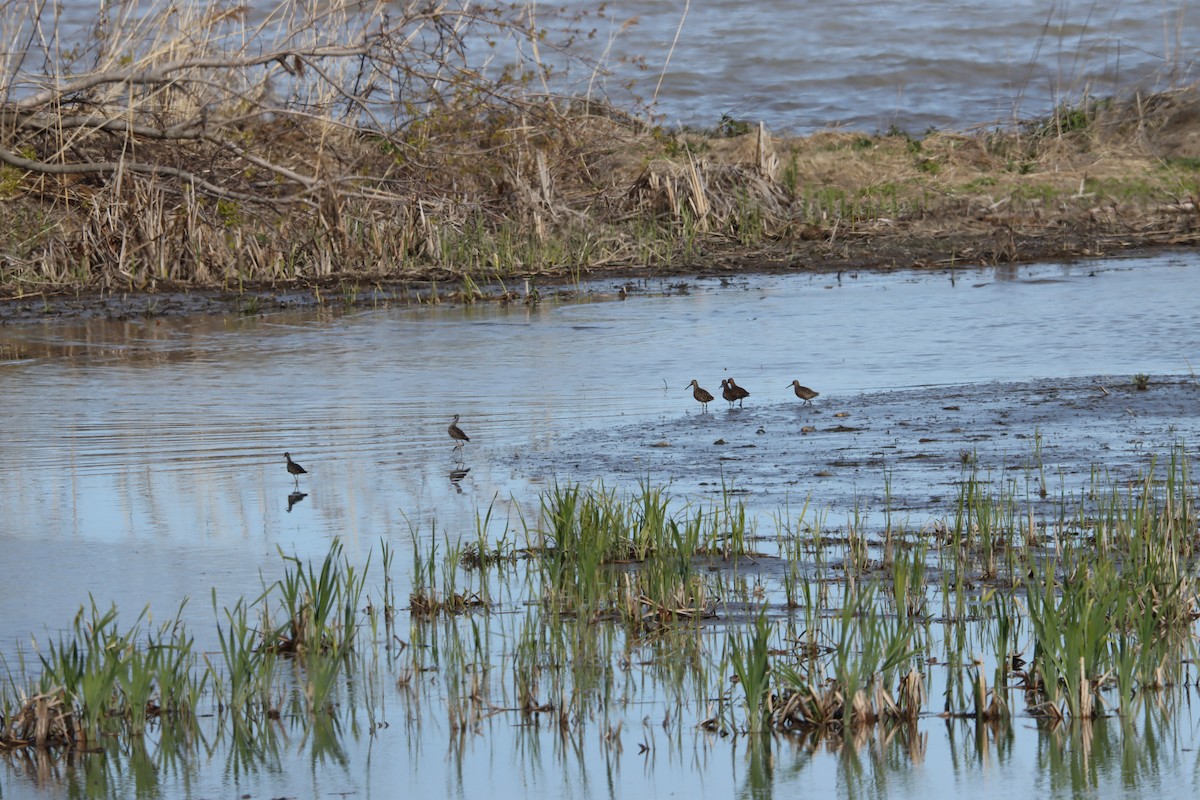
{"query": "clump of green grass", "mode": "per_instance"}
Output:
(615, 600)
(872, 652)
(320, 607)
(434, 584)
(100, 681)
(753, 670)
(587, 533)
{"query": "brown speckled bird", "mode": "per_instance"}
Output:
(294, 469)
(456, 433)
(804, 393)
(729, 392)
(739, 393)
(702, 395)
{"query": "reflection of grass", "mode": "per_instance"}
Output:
(613, 599)
(100, 681)
(845, 647)
(752, 667)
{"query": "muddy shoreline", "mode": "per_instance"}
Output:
(617, 202)
(877, 254)
(906, 450)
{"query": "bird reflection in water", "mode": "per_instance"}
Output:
(295, 497)
(456, 476)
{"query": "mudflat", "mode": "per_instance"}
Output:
(907, 451)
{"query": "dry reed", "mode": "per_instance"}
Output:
(187, 145)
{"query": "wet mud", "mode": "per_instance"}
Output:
(876, 254)
(907, 451)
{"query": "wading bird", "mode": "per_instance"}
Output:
(729, 392)
(456, 433)
(804, 393)
(294, 469)
(701, 395)
(739, 393)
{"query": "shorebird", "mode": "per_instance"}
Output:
(729, 392)
(804, 393)
(701, 395)
(739, 393)
(294, 469)
(456, 433)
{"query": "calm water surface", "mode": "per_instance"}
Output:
(142, 461)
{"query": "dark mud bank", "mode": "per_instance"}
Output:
(877, 254)
(908, 450)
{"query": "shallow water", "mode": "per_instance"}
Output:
(157, 445)
(142, 461)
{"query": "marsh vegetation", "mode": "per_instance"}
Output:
(352, 144)
(616, 614)
(334, 149)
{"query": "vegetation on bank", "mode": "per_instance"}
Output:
(358, 142)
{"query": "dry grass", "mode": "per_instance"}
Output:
(41, 721)
(209, 149)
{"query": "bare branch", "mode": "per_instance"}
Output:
(358, 133)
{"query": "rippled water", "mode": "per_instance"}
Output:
(913, 64)
(141, 462)
(867, 65)
(157, 446)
